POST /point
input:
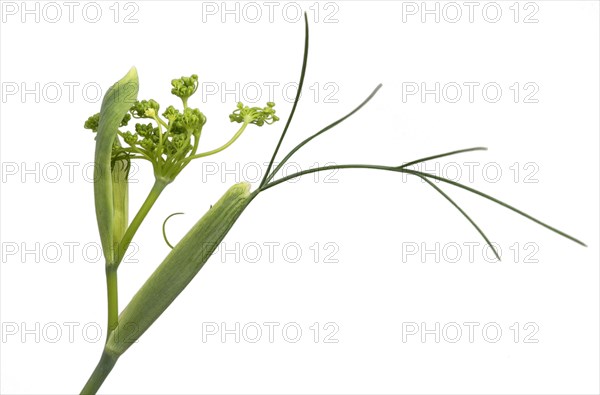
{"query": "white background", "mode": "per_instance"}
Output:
(375, 290)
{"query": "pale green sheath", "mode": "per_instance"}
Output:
(116, 103)
(171, 277)
(178, 268)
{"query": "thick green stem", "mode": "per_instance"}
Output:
(105, 365)
(113, 298)
(157, 188)
(120, 190)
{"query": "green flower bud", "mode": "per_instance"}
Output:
(185, 87)
(171, 113)
(92, 123)
(130, 138)
(254, 115)
(144, 109)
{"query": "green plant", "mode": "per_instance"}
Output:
(169, 143)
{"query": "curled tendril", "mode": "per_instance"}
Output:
(163, 229)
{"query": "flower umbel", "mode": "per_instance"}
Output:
(171, 140)
(185, 87)
(256, 115)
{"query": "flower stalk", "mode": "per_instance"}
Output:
(157, 188)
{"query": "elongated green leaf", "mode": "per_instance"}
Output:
(179, 268)
(117, 101)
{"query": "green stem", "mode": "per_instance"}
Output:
(178, 165)
(155, 192)
(113, 298)
(105, 365)
(221, 148)
(196, 141)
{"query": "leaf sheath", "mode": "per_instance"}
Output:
(179, 268)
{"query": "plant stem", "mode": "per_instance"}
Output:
(221, 148)
(105, 365)
(113, 298)
(120, 190)
(155, 192)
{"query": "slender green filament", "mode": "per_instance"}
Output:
(398, 169)
(489, 243)
(328, 127)
(460, 151)
(298, 92)
(221, 148)
(164, 232)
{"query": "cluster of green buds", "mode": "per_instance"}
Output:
(170, 140)
(255, 115)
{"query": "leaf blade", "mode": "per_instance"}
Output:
(117, 101)
(179, 268)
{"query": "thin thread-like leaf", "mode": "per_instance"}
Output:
(493, 199)
(464, 214)
(300, 84)
(460, 151)
(330, 126)
(419, 174)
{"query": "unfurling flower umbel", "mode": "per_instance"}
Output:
(171, 140)
(256, 115)
(185, 87)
